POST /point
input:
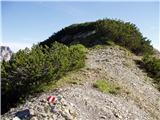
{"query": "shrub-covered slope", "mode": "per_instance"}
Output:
(29, 69)
(110, 87)
(100, 32)
(152, 66)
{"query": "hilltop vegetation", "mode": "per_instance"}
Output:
(100, 32)
(29, 69)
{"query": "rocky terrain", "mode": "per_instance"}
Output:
(136, 99)
(6, 53)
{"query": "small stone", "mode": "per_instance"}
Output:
(117, 115)
(43, 100)
(32, 112)
(66, 115)
(16, 118)
(103, 117)
(34, 118)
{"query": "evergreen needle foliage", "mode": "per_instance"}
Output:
(29, 69)
(152, 66)
(100, 32)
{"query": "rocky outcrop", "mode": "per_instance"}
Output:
(6, 53)
(39, 109)
(156, 53)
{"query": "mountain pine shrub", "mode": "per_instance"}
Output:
(152, 66)
(100, 32)
(28, 69)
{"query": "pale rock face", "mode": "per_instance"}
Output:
(6, 53)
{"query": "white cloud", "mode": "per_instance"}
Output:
(15, 46)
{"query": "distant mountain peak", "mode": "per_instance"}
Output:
(6, 53)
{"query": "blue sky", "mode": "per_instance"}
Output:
(25, 23)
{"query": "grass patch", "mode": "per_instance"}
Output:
(68, 79)
(106, 87)
(98, 47)
(108, 43)
(53, 85)
(127, 64)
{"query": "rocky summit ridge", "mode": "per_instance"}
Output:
(135, 99)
